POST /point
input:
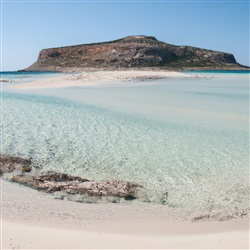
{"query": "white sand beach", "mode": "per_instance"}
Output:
(100, 79)
(35, 220)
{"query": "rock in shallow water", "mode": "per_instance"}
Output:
(64, 186)
(70, 185)
(9, 164)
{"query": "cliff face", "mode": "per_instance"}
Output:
(131, 51)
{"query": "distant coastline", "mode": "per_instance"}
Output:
(242, 69)
(132, 52)
(217, 71)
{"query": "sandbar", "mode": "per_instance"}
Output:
(99, 79)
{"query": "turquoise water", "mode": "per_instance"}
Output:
(218, 71)
(19, 77)
(186, 141)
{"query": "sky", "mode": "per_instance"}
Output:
(30, 26)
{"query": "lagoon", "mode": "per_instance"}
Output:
(185, 140)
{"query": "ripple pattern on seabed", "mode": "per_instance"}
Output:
(195, 168)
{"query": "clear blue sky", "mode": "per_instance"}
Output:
(28, 27)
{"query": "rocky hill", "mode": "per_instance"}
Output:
(132, 52)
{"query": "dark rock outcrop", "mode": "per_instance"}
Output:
(63, 185)
(131, 52)
(9, 164)
(55, 182)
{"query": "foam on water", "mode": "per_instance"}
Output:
(201, 167)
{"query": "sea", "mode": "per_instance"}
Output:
(185, 140)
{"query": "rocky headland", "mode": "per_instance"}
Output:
(133, 52)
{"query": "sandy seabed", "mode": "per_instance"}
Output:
(34, 220)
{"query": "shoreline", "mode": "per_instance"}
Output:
(32, 236)
(80, 225)
(99, 79)
(93, 78)
(163, 69)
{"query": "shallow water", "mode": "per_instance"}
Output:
(184, 140)
(21, 77)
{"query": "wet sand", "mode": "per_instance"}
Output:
(34, 220)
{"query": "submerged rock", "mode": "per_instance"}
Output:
(50, 182)
(4, 80)
(58, 177)
(72, 186)
(9, 164)
(122, 189)
(65, 186)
